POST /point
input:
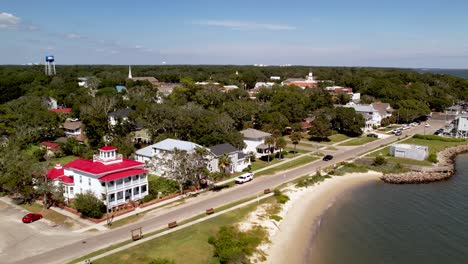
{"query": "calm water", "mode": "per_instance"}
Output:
(383, 223)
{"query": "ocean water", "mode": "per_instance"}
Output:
(383, 223)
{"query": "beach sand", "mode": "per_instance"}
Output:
(289, 241)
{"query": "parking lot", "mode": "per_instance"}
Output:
(19, 240)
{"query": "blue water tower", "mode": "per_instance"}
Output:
(49, 65)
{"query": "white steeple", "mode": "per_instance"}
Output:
(130, 72)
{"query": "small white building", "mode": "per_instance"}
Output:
(370, 114)
(409, 151)
(259, 85)
(275, 78)
(254, 140)
(239, 160)
(111, 178)
(458, 128)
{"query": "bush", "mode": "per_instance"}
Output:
(432, 158)
(233, 246)
(307, 181)
(277, 218)
(249, 168)
(89, 205)
(280, 197)
(379, 160)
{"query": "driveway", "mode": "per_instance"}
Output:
(19, 240)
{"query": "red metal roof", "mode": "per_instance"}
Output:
(100, 168)
(66, 179)
(61, 110)
(55, 173)
(51, 145)
(105, 148)
(122, 174)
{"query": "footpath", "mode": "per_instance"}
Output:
(103, 225)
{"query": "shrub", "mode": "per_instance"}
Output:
(379, 160)
(277, 218)
(439, 138)
(233, 246)
(280, 197)
(432, 158)
(249, 168)
(89, 205)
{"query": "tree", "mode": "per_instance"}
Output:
(281, 144)
(224, 162)
(296, 137)
(348, 122)
(320, 128)
(89, 205)
(270, 141)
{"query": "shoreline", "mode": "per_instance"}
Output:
(291, 236)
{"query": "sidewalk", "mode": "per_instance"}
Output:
(103, 225)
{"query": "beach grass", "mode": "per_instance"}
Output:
(288, 165)
(193, 241)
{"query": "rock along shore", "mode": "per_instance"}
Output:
(443, 170)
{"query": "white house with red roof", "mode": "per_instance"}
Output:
(112, 178)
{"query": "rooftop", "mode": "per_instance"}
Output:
(171, 144)
(121, 112)
(220, 149)
(254, 133)
(99, 168)
(72, 125)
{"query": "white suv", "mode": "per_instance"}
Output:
(245, 177)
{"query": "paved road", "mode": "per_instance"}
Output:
(159, 218)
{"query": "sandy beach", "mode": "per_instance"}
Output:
(290, 237)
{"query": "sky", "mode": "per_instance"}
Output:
(384, 33)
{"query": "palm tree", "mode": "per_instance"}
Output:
(296, 137)
(269, 141)
(224, 162)
(281, 144)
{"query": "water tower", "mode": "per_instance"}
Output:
(49, 65)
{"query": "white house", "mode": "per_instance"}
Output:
(165, 148)
(370, 114)
(259, 85)
(239, 160)
(111, 178)
(275, 78)
(409, 151)
(254, 140)
(73, 128)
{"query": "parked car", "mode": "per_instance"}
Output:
(427, 125)
(31, 217)
(398, 133)
(373, 135)
(246, 177)
(327, 157)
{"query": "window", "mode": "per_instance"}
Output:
(119, 195)
(127, 180)
(143, 188)
(71, 190)
(119, 182)
(81, 190)
(112, 197)
(89, 181)
(80, 179)
(103, 184)
(111, 183)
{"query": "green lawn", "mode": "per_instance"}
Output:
(288, 165)
(189, 245)
(435, 146)
(62, 160)
(358, 141)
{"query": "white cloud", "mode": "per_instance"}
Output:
(73, 36)
(9, 21)
(246, 25)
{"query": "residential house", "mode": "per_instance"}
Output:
(239, 160)
(409, 151)
(275, 78)
(230, 87)
(111, 178)
(53, 106)
(259, 85)
(120, 115)
(141, 134)
(73, 128)
(339, 89)
(453, 110)
(83, 82)
(254, 140)
(370, 114)
(120, 88)
(167, 88)
(165, 148)
(384, 109)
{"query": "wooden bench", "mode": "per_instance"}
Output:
(210, 211)
(266, 191)
(172, 224)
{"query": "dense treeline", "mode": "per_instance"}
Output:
(201, 114)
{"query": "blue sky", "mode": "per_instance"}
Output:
(330, 33)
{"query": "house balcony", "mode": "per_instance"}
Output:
(124, 185)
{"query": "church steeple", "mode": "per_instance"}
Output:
(130, 72)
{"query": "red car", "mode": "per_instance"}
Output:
(29, 218)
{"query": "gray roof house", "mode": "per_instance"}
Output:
(254, 140)
(239, 160)
(121, 113)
